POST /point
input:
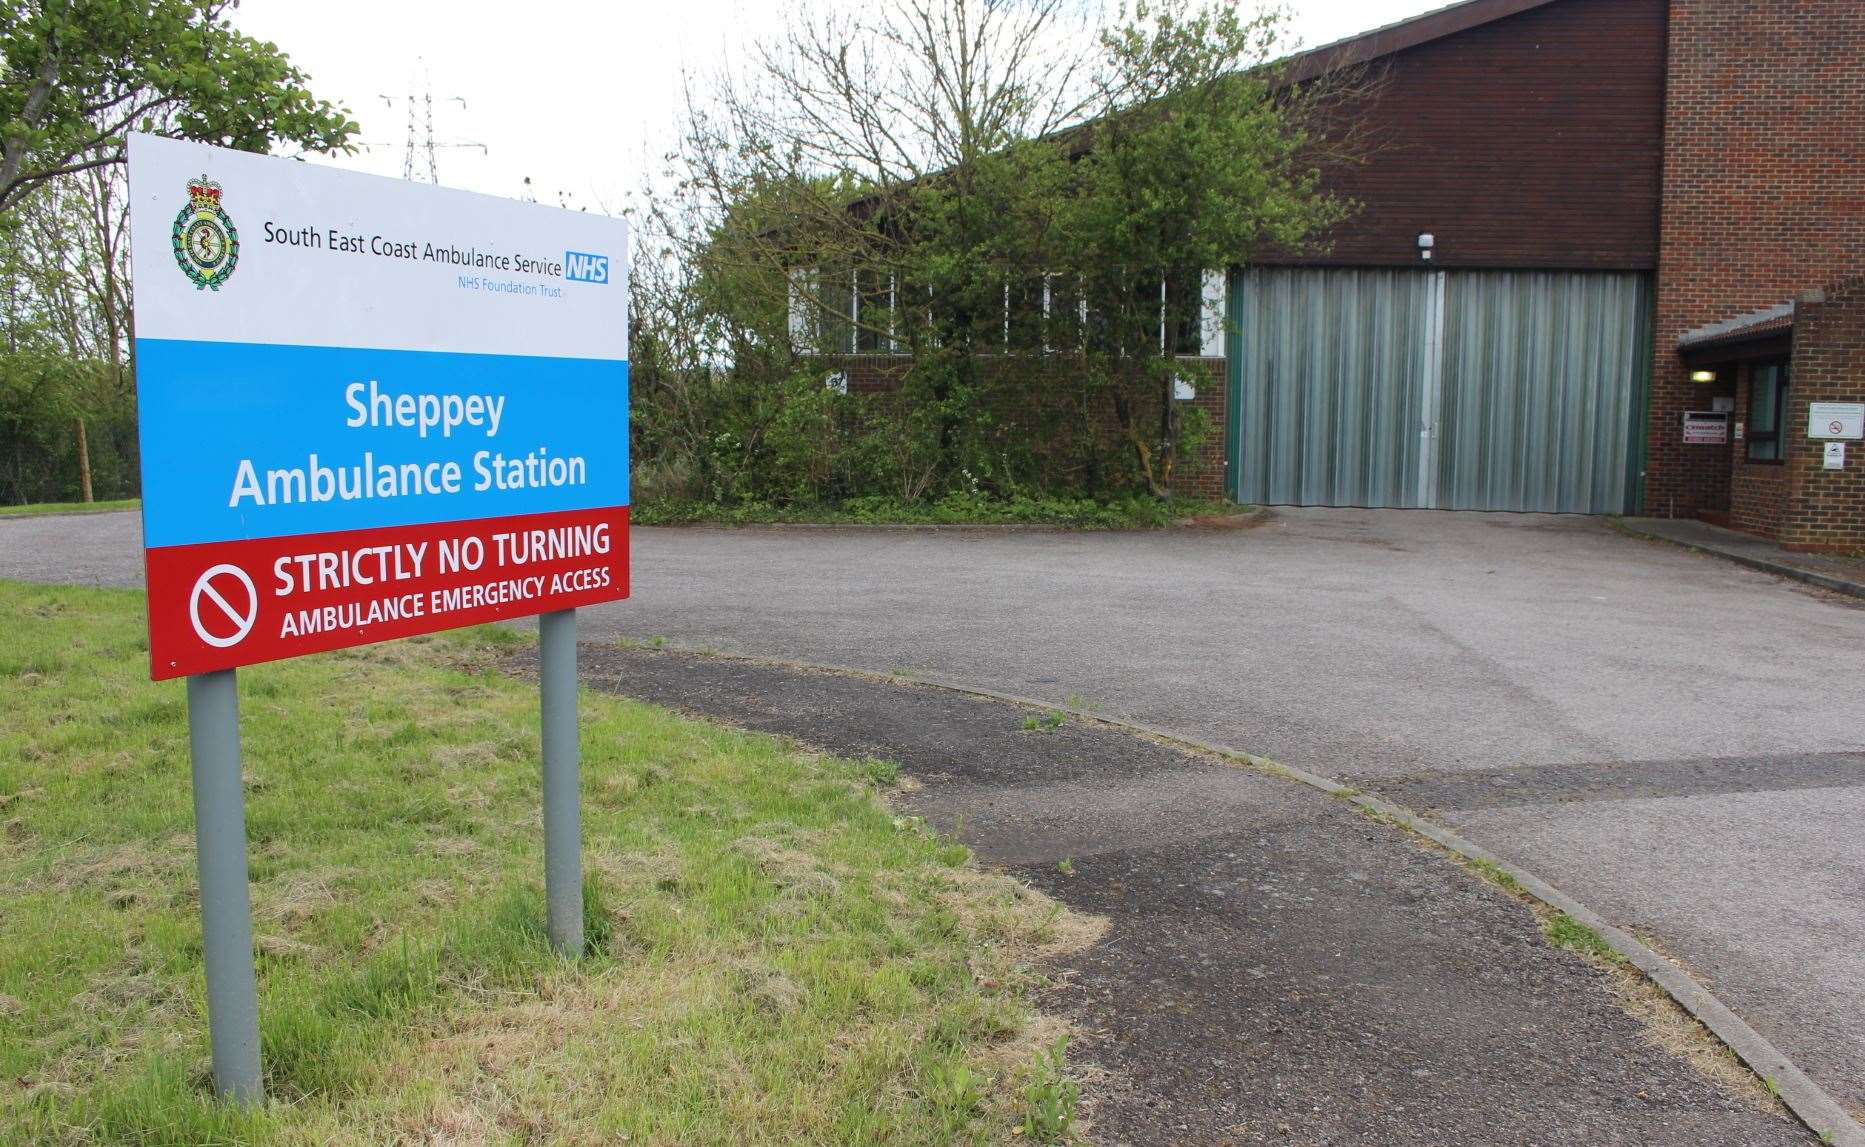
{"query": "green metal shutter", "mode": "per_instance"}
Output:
(1484, 390)
(1328, 408)
(1542, 377)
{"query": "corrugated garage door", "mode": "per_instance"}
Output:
(1472, 390)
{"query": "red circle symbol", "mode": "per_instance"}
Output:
(223, 606)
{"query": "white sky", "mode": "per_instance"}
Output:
(582, 96)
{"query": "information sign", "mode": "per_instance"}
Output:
(369, 408)
(1836, 420)
(1705, 428)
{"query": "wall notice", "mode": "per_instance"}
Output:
(1841, 420)
(1705, 428)
(369, 408)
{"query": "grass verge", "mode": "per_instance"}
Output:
(34, 509)
(774, 957)
(955, 510)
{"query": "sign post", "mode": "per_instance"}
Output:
(226, 908)
(563, 832)
(368, 409)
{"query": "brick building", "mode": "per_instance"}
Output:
(1762, 247)
(1610, 259)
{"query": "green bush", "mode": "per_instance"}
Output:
(1125, 513)
(768, 441)
(42, 397)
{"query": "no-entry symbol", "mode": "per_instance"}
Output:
(223, 606)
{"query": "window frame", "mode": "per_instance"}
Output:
(827, 306)
(1776, 438)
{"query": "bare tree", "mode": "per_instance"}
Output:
(847, 110)
(904, 88)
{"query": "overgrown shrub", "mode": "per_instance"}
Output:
(1037, 430)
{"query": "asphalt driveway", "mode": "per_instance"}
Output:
(1277, 968)
(1676, 741)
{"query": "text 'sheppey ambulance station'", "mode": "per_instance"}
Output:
(369, 408)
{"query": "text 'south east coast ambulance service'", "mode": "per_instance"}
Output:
(369, 408)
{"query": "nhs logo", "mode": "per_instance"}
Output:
(579, 267)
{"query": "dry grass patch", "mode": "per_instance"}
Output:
(1669, 1026)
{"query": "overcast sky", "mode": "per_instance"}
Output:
(581, 96)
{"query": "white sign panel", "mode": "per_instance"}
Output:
(1835, 456)
(1836, 420)
(324, 257)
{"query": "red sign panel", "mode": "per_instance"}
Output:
(225, 604)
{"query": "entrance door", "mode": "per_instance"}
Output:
(1479, 390)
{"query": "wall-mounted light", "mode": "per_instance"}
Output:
(1427, 242)
(1702, 376)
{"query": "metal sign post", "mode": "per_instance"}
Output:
(220, 846)
(563, 856)
(226, 906)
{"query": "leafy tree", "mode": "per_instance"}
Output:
(75, 76)
(999, 194)
(876, 148)
(1198, 160)
(78, 74)
(44, 396)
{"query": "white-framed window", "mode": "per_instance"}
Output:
(804, 327)
(860, 312)
(1211, 313)
(845, 311)
(1065, 313)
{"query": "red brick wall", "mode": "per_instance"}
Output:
(1825, 508)
(1764, 198)
(1205, 474)
(1533, 141)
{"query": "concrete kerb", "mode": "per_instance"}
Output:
(1809, 1102)
(1779, 569)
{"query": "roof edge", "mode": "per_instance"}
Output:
(1392, 38)
(1764, 323)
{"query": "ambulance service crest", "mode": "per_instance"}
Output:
(207, 245)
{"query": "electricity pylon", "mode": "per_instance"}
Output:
(421, 140)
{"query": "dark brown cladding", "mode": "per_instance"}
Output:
(1530, 141)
